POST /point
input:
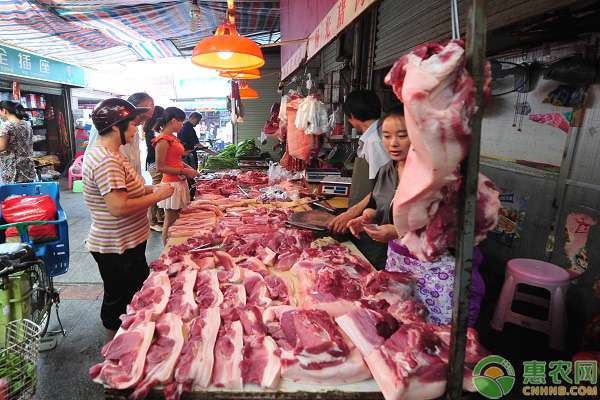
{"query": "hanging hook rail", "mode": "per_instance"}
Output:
(454, 19)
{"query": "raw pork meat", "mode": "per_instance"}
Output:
(329, 288)
(299, 144)
(360, 325)
(162, 355)
(182, 301)
(234, 295)
(229, 271)
(227, 372)
(433, 240)
(208, 293)
(408, 311)
(389, 286)
(312, 347)
(153, 296)
(125, 355)
(438, 96)
(412, 364)
(195, 364)
(253, 264)
(257, 292)
(280, 289)
(261, 364)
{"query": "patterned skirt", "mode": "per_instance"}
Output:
(435, 282)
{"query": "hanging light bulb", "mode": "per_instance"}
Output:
(241, 75)
(227, 49)
(225, 55)
(246, 92)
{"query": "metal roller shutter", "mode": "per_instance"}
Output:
(256, 112)
(403, 24)
(328, 59)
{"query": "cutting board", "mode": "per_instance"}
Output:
(314, 217)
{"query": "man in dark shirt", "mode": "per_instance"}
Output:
(187, 136)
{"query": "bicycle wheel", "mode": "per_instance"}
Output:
(41, 302)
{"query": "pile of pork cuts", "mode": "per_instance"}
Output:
(439, 100)
(247, 301)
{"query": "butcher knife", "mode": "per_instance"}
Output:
(302, 225)
(317, 203)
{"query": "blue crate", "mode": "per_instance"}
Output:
(54, 253)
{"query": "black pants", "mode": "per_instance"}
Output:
(123, 275)
(375, 252)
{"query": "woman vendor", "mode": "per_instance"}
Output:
(435, 280)
(118, 202)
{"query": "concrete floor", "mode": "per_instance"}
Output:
(62, 372)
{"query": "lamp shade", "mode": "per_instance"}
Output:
(228, 50)
(246, 92)
(245, 75)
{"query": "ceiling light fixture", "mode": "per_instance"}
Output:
(246, 92)
(241, 75)
(227, 50)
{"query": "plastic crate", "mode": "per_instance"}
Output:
(54, 253)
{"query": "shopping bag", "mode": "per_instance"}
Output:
(30, 208)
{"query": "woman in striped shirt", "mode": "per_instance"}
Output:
(118, 202)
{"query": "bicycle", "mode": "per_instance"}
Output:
(21, 257)
(52, 255)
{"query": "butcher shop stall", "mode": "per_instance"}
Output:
(254, 296)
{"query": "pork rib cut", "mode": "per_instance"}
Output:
(227, 372)
(195, 365)
(153, 296)
(162, 355)
(261, 363)
(125, 355)
(208, 293)
(182, 301)
(234, 295)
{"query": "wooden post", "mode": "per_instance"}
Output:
(476, 47)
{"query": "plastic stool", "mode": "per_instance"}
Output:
(542, 275)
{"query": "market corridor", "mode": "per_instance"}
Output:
(63, 372)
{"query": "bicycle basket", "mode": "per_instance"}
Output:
(18, 360)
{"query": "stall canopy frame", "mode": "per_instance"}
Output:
(476, 47)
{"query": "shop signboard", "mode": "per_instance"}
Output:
(339, 17)
(24, 64)
(204, 104)
(294, 62)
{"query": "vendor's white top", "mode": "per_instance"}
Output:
(370, 147)
(129, 150)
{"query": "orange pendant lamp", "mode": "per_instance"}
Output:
(227, 50)
(242, 75)
(246, 92)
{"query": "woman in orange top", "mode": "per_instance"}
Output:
(169, 153)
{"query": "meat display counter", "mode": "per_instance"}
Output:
(242, 306)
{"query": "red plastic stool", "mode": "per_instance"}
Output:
(542, 275)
